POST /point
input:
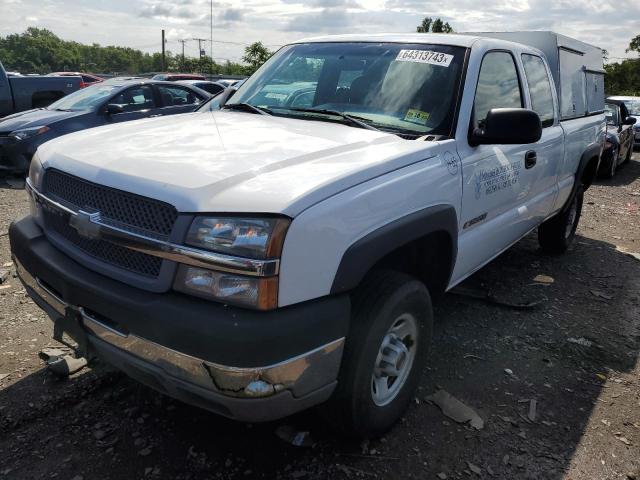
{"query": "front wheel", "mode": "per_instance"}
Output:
(556, 234)
(384, 355)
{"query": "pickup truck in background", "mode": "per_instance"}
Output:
(263, 258)
(19, 93)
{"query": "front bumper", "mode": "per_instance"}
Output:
(199, 352)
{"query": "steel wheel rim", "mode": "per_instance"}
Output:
(395, 359)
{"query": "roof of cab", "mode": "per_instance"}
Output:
(428, 38)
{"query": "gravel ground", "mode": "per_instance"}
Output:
(98, 424)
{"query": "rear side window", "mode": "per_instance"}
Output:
(177, 96)
(539, 88)
(135, 98)
(498, 85)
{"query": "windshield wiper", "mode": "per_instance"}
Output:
(352, 119)
(246, 107)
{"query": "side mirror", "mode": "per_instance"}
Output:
(114, 108)
(630, 121)
(508, 126)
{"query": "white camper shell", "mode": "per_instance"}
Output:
(576, 68)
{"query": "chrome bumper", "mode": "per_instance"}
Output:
(301, 375)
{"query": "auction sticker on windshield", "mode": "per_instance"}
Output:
(425, 56)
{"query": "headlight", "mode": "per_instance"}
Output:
(25, 133)
(253, 292)
(257, 238)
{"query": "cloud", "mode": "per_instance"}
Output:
(232, 15)
(325, 3)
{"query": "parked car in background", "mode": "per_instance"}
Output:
(618, 147)
(88, 79)
(633, 105)
(108, 102)
(174, 77)
(23, 92)
(214, 88)
(231, 82)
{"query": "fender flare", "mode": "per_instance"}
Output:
(593, 150)
(362, 255)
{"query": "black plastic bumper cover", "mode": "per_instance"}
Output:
(210, 331)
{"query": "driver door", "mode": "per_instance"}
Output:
(496, 181)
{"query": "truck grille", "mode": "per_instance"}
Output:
(126, 210)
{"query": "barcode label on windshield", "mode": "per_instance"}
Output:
(425, 56)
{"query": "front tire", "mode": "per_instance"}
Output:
(385, 353)
(556, 234)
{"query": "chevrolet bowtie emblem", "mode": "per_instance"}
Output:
(86, 224)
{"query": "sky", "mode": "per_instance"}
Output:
(138, 23)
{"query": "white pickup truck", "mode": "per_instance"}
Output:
(284, 251)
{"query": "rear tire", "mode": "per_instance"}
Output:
(556, 234)
(384, 355)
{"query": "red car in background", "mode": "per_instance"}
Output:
(87, 78)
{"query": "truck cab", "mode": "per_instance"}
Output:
(284, 251)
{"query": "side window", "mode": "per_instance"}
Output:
(135, 98)
(539, 88)
(177, 96)
(498, 85)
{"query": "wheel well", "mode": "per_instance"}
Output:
(45, 98)
(589, 172)
(429, 258)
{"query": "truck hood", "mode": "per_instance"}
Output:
(35, 118)
(228, 161)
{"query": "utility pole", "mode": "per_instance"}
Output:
(164, 63)
(182, 62)
(211, 36)
(200, 50)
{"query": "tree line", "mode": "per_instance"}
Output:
(39, 50)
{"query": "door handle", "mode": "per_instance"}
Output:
(157, 115)
(530, 159)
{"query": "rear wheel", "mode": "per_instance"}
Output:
(556, 234)
(384, 355)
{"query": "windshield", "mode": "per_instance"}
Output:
(85, 99)
(611, 112)
(401, 88)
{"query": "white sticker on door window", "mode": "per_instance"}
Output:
(425, 56)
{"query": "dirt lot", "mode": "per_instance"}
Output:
(101, 425)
